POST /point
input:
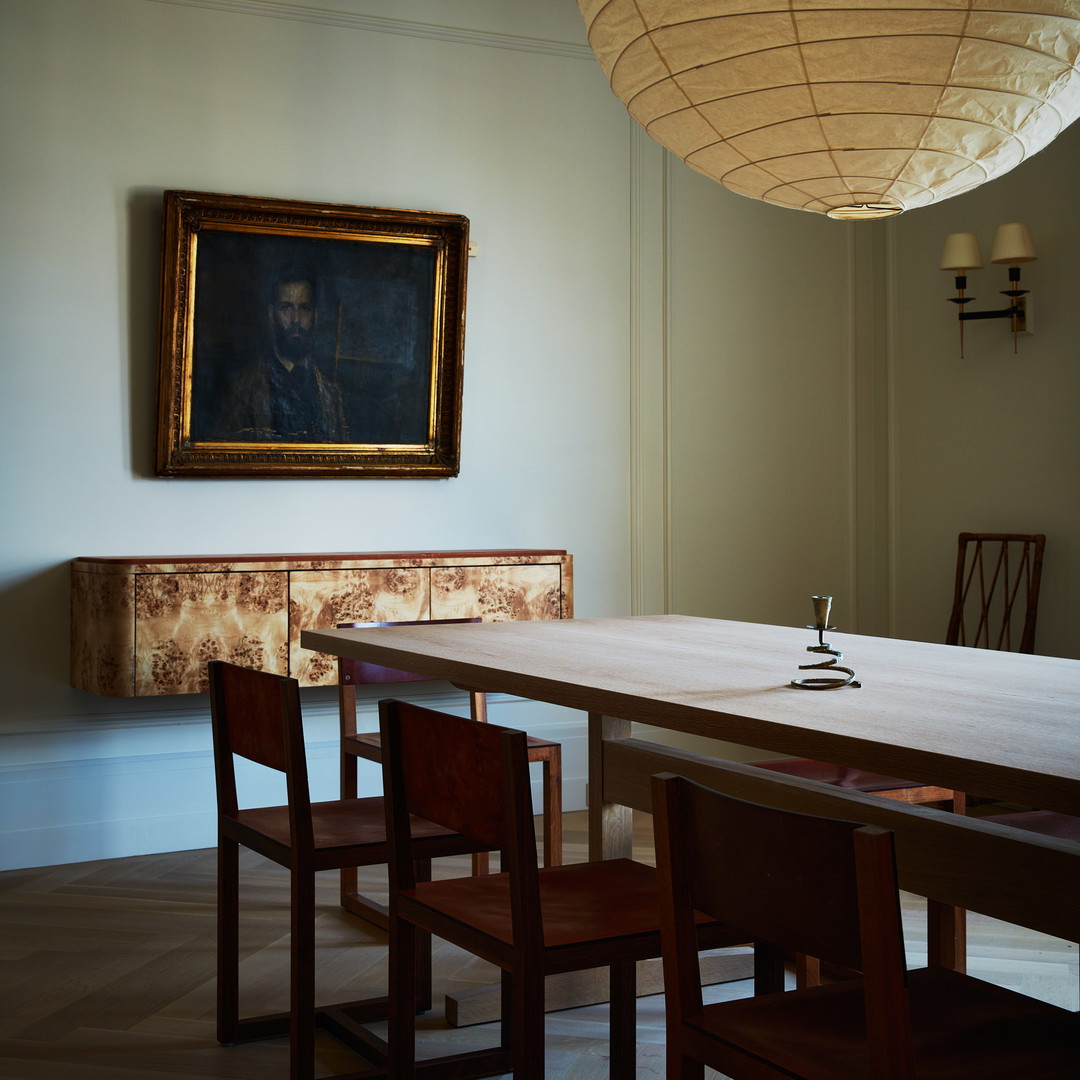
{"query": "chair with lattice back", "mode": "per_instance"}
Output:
(997, 578)
(996, 585)
(997, 581)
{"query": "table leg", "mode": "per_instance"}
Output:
(946, 943)
(611, 826)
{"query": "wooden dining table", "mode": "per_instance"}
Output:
(1000, 724)
(1003, 725)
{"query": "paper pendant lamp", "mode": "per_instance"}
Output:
(845, 108)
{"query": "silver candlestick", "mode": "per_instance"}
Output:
(822, 607)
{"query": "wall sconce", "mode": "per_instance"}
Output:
(1012, 246)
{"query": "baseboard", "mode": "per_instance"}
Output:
(101, 805)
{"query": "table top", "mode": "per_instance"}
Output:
(990, 723)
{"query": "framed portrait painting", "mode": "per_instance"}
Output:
(309, 339)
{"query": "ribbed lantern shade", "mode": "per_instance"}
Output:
(844, 108)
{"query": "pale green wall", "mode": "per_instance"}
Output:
(759, 367)
(824, 434)
(761, 405)
(989, 443)
(495, 111)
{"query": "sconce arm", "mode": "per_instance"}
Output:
(1003, 313)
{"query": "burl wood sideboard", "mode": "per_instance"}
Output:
(144, 627)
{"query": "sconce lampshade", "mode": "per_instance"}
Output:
(961, 252)
(851, 109)
(1012, 245)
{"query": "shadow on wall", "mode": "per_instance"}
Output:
(35, 638)
(143, 293)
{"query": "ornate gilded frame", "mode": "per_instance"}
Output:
(387, 286)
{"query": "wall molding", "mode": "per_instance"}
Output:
(315, 702)
(274, 9)
(649, 374)
(872, 457)
(144, 803)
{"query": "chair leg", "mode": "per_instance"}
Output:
(552, 767)
(551, 761)
(506, 1011)
(349, 885)
(623, 1020)
(228, 940)
(347, 782)
(401, 1021)
(527, 1024)
(807, 971)
(302, 977)
(769, 968)
(682, 1067)
(946, 936)
(422, 950)
(481, 864)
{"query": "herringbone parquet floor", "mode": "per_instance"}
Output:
(108, 974)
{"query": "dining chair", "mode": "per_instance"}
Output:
(760, 868)
(368, 746)
(528, 921)
(997, 575)
(997, 585)
(256, 716)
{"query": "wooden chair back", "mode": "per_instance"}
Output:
(256, 715)
(368, 745)
(729, 857)
(1006, 873)
(808, 884)
(467, 776)
(997, 580)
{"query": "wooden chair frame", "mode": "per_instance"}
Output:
(367, 746)
(719, 853)
(1006, 873)
(1009, 578)
(1017, 563)
(529, 922)
(996, 584)
(305, 838)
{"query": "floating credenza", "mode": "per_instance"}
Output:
(147, 626)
